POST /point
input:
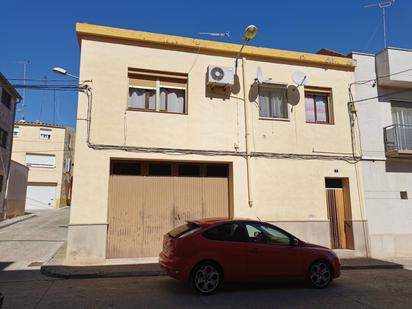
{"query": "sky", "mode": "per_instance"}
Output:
(43, 32)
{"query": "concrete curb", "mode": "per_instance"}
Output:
(153, 269)
(15, 220)
(87, 272)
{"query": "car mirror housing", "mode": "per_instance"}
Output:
(294, 242)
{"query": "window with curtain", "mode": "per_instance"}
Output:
(157, 91)
(142, 98)
(172, 100)
(317, 107)
(272, 102)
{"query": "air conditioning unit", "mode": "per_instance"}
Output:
(220, 76)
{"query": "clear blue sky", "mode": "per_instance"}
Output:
(44, 32)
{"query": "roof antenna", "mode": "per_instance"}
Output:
(382, 5)
(23, 102)
(216, 34)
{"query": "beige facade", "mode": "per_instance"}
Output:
(48, 151)
(8, 100)
(279, 177)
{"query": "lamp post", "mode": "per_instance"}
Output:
(249, 34)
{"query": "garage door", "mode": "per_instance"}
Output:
(40, 196)
(143, 207)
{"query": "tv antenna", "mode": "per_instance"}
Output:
(24, 63)
(216, 34)
(382, 5)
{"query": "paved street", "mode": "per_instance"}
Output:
(355, 289)
(38, 238)
(34, 240)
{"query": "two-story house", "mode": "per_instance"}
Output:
(161, 141)
(9, 97)
(48, 152)
(383, 96)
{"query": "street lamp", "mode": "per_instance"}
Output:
(248, 35)
(62, 71)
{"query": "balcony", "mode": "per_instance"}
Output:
(391, 64)
(398, 140)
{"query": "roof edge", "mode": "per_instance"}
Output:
(88, 30)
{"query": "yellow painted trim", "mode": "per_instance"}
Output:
(84, 30)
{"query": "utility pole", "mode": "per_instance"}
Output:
(382, 5)
(24, 63)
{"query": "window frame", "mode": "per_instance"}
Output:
(275, 86)
(146, 99)
(8, 105)
(239, 224)
(41, 165)
(45, 129)
(177, 88)
(4, 136)
(320, 92)
(16, 129)
(158, 80)
(254, 224)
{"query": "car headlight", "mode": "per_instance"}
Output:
(333, 253)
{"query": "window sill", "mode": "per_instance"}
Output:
(41, 166)
(322, 123)
(152, 111)
(275, 119)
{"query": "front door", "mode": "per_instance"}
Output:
(339, 213)
(270, 253)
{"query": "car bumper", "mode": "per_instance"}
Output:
(336, 268)
(174, 267)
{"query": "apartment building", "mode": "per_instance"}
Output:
(9, 97)
(48, 152)
(383, 96)
(176, 128)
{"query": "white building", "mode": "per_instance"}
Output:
(383, 92)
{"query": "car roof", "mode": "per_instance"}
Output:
(210, 221)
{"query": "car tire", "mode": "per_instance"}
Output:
(320, 274)
(206, 278)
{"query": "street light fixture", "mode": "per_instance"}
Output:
(64, 72)
(248, 35)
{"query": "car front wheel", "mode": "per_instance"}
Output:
(206, 278)
(320, 274)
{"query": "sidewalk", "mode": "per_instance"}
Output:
(56, 268)
(15, 220)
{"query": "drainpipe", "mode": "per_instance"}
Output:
(246, 107)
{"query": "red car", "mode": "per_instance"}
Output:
(206, 252)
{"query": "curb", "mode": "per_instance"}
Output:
(15, 220)
(68, 272)
(360, 267)
(85, 272)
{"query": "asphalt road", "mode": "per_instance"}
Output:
(34, 240)
(355, 289)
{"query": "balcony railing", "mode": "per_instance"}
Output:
(398, 140)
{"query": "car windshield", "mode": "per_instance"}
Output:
(180, 230)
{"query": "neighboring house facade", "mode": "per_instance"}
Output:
(48, 152)
(9, 97)
(16, 190)
(385, 119)
(157, 144)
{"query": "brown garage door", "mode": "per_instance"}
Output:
(143, 208)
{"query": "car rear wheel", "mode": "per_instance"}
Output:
(320, 274)
(206, 278)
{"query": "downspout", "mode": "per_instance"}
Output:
(247, 136)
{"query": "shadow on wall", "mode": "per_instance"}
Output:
(221, 92)
(398, 166)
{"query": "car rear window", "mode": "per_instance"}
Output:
(180, 230)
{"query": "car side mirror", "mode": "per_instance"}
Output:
(294, 242)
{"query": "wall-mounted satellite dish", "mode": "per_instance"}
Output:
(259, 75)
(299, 78)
